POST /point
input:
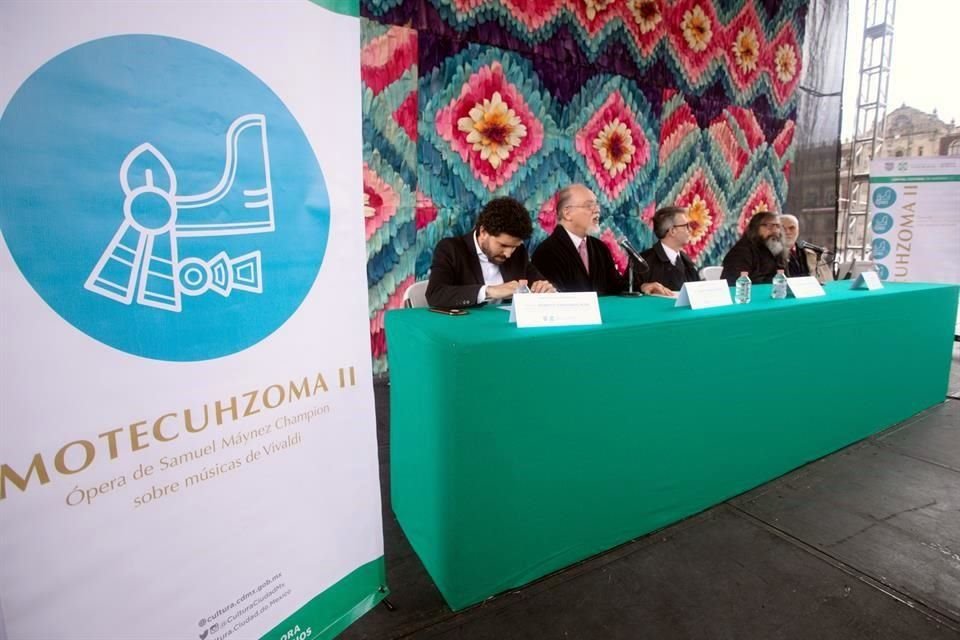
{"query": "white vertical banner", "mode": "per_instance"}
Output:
(187, 434)
(915, 219)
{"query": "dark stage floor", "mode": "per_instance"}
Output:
(864, 543)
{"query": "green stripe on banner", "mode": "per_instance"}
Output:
(346, 7)
(337, 607)
(944, 178)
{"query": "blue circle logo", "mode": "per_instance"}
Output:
(884, 197)
(160, 197)
(880, 248)
(883, 272)
(882, 222)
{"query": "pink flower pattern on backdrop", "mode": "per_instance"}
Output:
(379, 201)
(548, 215)
(614, 145)
(762, 198)
(619, 255)
(704, 212)
(490, 126)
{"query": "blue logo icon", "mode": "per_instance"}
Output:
(883, 272)
(882, 222)
(884, 197)
(880, 248)
(160, 197)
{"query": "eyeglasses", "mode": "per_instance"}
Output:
(685, 225)
(772, 225)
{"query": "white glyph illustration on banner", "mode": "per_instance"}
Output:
(143, 258)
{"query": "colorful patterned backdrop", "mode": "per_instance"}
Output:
(648, 102)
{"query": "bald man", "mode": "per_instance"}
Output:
(573, 259)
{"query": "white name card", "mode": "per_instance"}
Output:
(703, 295)
(805, 287)
(867, 280)
(555, 309)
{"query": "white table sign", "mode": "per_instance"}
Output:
(867, 280)
(805, 287)
(555, 309)
(703, 295)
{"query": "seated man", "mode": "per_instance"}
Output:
(572, 259)
(669, 265)
(760, 252)
(489, 263)
(800, 262)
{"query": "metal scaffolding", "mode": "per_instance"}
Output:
(852, 228)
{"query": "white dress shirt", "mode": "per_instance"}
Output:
(672, 255)
(575, 239)
(490, 270)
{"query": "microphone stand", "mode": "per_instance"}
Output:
(633, 257)
(630, 293)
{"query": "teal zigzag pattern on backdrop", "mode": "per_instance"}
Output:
(389, 84)
(752, 47)
(472, 99)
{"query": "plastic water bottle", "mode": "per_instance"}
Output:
(523, 288)
(779, 290)
(742, 295)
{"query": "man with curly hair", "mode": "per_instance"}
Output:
(487, 264)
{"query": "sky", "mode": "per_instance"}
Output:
(926, 44)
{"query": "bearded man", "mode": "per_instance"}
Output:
(760, 252)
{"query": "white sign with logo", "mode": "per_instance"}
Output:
(555, 309)
(805, 287)
(187, 435)
(704, 295)
(868, 280)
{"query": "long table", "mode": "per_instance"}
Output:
(516, 452)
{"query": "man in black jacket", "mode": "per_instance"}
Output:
(574, 260)
(800, 262)
(669, 265)
(760, 252)
(489, 263)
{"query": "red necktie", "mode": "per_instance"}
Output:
(583, 254)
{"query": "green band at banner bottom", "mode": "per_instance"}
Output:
(889, 179)
(337, 607)
(346, 7)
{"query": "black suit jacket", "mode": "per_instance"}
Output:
(662, 271)
(756, 260)
(802, 262)
(456, 277)
(560, 263)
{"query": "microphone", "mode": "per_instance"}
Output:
(633, 253)
(803, 244)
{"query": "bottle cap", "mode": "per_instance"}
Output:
(743, 273)
(780, 271)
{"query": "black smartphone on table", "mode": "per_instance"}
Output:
(450, 312)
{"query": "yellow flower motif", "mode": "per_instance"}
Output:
(596, 6)
(646, 13)
(785, 62)
(746, 49)
(368, 211)
(696, 28)
(493, 128)
(699, 215)
(615, 146)
(761, 206)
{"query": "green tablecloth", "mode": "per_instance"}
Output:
(516, 452)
